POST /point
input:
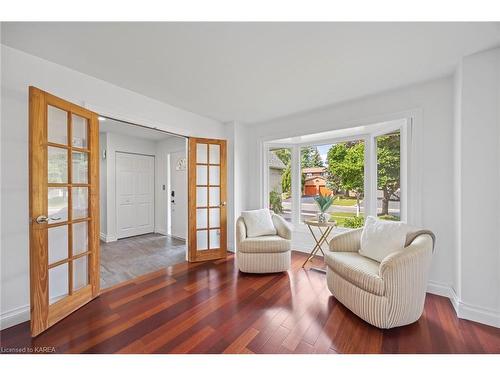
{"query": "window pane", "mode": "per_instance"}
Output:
(214, 238)
(201, 240)
(79, 132)
(201, 175)
(57, 204)
(214, 174)
(214, 217)
(57, 159)
(388, 176)
(80, 273)
(201, 153)
(201, 197)
(57, 125)
(280, 182)
(214, 196)
(80, 169)
(58, 243)
(214, 154)
(336, 172)
(58, 283)
(80, 202)
(201, 218)
(80, 238)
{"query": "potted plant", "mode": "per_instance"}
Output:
(324, 202)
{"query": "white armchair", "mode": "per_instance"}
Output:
(386, 294)
(264, 254)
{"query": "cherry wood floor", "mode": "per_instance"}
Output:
(212, 308)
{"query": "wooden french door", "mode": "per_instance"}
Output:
(64, 213)
(207, 199)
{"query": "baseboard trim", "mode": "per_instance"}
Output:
(15, 316)
(464, 310)
(107, 238)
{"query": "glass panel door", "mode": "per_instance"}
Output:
(207, 199)
(63, 208)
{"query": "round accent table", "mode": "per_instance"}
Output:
(324, 231)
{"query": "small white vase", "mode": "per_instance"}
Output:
(323, 217)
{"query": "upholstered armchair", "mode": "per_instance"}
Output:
(264, 254)
(386, 294)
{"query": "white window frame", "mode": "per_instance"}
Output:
(409, 174)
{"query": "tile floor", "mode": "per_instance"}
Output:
(128, 258)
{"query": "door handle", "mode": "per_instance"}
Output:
(222, 204)
(44, 219)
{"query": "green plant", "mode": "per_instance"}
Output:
(324, 201)
(354, 222)
(275, 202)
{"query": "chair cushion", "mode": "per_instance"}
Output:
(265, 244)
(357, 269)
(381, 238)
(258, 223)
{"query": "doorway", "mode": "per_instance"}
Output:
(143, 205)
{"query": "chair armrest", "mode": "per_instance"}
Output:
(281, 225)
(348, 241)
(407, 269)
(241, 231)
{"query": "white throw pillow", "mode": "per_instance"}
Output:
(381, 238)
(258, 223)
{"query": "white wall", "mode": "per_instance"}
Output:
(20, 70)
(477, 138)
(433, 100)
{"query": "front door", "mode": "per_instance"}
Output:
(207, 199)
(64, 213)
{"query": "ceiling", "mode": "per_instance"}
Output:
(251, 72)
(119, 127)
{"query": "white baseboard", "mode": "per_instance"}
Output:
(162, 232)
(464, 310)
(106, 238)
(15, 316)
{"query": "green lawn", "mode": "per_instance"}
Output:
(340, 217)
(342, 201)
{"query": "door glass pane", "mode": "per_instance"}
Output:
(201, 175)
(201, 240)
(388, 176)
(279, 181)
(214, 217)
(57, 125)
(57, 159)
(214, 154)
(201, 197)
(80, 273)
(79, 132)
(201, 218)
(58, 243)
(214, 174)
(80, 201)
(201, 153)
(58, 283)
(80, 238)
(214, 198)
(80, 167)
(57, 204)
(214, 238)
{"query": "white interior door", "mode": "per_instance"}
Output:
(178, 194)
(134, 194)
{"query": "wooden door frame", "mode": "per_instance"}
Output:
(44, 315)
(193, 254)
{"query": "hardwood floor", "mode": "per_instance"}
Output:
(212, 308)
